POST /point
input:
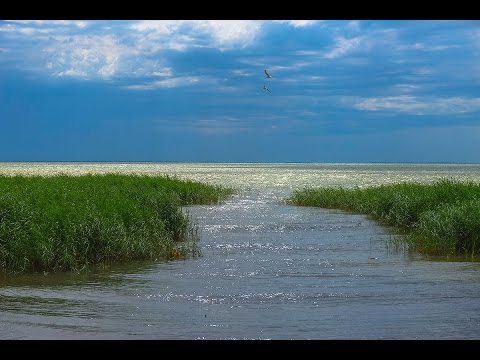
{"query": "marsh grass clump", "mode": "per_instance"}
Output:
(451, 229)
(442, 218)
(65, 222)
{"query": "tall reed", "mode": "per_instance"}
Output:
(65, 222)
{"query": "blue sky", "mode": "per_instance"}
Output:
(177, 90)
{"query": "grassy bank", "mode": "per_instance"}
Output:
(439, 219)
(72, 222)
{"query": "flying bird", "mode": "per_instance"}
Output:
(265, 88)
(267, 75)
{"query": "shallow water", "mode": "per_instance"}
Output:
(267, 270)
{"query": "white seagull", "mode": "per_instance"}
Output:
(267, 75)
(265, 88)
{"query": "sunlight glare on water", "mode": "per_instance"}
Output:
(262, 176)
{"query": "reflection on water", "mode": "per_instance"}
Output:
(284, 176)
(268, 270)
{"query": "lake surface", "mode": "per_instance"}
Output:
(267, 270)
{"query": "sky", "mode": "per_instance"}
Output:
(193, 90)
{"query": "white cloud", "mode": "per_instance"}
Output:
(136, 65)
(427, 47)
(354, 25)
(298, 23)
(181, 34)
(305, 79)
(407, 87)
(242, 72)
(78, 23)
(86, 56)
(134, 53)
(309, 52)
(72, 72)
(166, 83)
(419, 106)
(166, 27)
(423, 70)
(14, 29)
(344, 46)
(39, 27)
(230, 32)
(273, 69)
(163, 72)
(65, 48)
(223, 34)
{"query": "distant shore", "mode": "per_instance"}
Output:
(441, 219)
(69, 223)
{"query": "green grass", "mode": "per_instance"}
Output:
(70, 223)
(442, 218)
